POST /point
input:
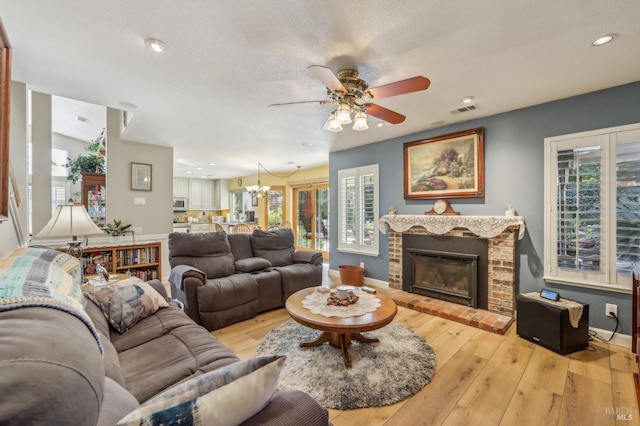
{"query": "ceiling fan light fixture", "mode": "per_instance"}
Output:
(360, 121)
(334, 123)
(343, 113)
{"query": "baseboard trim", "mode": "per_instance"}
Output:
(623, 340)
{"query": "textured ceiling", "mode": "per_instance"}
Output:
(207, 95)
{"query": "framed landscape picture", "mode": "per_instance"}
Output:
(448, 166)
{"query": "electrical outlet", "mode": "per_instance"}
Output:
(610, 307)
(362, 265)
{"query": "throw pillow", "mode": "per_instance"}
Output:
(126, 302)
(226, 396)
(252, 264)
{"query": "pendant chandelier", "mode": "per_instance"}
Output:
(261, 191)
(258, 190)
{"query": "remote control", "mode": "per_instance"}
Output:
(369, 290)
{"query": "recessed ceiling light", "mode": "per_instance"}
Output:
(467, 99)
(155, 44)
(198, 168)
(304, 144)
(380, 124)
(212, 164)
(188, 173)
(603, 40)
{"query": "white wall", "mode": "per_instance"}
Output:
(156, 215)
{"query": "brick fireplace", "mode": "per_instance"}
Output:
(501, 233)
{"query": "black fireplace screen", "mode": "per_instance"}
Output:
(444, 275)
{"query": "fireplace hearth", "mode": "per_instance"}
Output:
(443, 275)
(498, 233)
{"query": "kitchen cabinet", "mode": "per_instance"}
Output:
(201, 194)
(221, 194)
(181, 187)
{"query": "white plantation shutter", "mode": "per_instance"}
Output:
(578, 208)
(592, 200)
(358, 210)
(627, 203)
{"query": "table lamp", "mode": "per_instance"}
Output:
(70, 220)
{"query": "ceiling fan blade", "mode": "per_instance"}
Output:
(327, 76)
(301, 102)
(385, 114)
(410, 85)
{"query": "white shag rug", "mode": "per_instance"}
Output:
(383, 373)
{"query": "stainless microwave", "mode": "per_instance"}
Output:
(179, 204)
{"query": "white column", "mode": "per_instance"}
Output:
(41, 125)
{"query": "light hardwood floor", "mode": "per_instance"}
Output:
(483, 378)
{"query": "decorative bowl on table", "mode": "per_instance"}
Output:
(351, 298)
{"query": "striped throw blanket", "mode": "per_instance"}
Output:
(37, 277)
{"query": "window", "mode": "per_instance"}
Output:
(358, 210)
(58, 160)
(240, 204)
(592, 201)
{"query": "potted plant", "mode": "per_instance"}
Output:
(116, 230)
(92, 162)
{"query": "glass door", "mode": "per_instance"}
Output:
(275, 206)
(311, 224)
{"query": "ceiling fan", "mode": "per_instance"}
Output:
(353, 97)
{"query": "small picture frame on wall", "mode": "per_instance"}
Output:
(140, 177)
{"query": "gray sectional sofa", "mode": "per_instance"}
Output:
(66, 364)
(225, 278)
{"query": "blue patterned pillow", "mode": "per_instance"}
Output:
(226, 396)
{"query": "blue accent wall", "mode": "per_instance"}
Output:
(514, 174)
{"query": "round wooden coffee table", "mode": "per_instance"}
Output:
(339, 332)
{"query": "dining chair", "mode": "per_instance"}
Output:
(241, 228)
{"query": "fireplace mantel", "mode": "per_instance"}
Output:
(482, 226)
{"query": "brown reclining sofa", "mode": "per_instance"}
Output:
(225, 278)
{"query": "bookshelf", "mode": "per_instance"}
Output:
(141, 260)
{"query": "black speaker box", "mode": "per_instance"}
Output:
(548, 325)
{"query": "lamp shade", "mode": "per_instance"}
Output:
(343, 113)
(69, 220)
(360, 121)
(334, 124)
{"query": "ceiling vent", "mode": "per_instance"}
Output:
(465, 108)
